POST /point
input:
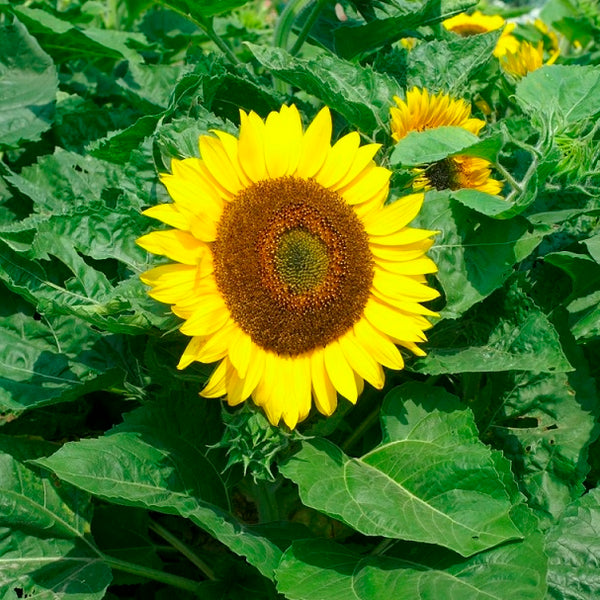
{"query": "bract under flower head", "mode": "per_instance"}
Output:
(288, 269)
(422, 111)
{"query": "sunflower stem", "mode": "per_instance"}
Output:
(177, 581)
(308, 24)
(266, 503)
(361, 429)
(207, 27)
(383, 546)
(184, 549)
(511, 180)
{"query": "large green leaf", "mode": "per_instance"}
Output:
(359, 94)
(50, 360)
(28, 85)
(560, 94)
(158, 459)
(352, 40)
(573, 548)
(326, 570)
(45, 547)
(545, 423)
(449, 65)
(475, 254)
(408, 487)
(506, 332)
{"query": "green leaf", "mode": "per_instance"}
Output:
(28, 85)
(204, 9)
(486, 204)
(561, 95)
(362, 96)
(65, 41)
(45, 547)
(475, 254)
(43, 362)
(406, 488)
(508, 332)
(325, 569)
(431, 145)
(449, 65)
(573, 548)
(158, 459)
(351, 40)
(545, 424)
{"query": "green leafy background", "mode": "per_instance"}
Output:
(473, 474)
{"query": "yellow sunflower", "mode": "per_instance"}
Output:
(422, 111)
(525, 59)
(289, 269)
(466, 25)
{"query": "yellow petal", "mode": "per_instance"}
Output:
(192, 189)
(218, 163)
(265, 395)
(378, 345)
(362, 160)
(217, 384)
(324, 393)
(405, 305)
(180, 246)
(283, 136)
(171, 283)
(339, 160)
(251, 146)
(296, 386)
(393, 322)
(315, 145)
(339, 371)
(210, 316)
(416, 266)
(240, 388)
(216, 345)
(190, 352)
(169, 214)
(230, 145)
(394, 216)
(361, 361)
(402, 286)
(372, 184)
(240, 351)
(405, 237)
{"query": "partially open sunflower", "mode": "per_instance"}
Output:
(288, 268)
(422, 110)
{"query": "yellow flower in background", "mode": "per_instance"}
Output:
(288, 269)
(456, 173)
(527, 58)
(466, 25)
(422, 111)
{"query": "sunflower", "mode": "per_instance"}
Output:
(466, 25)
(422, 111)
(526, 58)
(289, 270)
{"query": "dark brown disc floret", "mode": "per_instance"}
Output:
(443, 175)
(293, 264)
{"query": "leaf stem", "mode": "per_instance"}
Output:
(361, 429)
(207, 28)
(183, 548)
(177, 581)
(310, 21)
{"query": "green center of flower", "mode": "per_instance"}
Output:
(301, 260)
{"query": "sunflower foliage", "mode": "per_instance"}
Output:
(299, 299)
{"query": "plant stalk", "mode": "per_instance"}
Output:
(308, 24)
(184, 549)
(183, 583)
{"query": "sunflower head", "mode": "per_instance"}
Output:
(466, 25)
(525, 59)
(458, 172)
(422, 110)
(288, 270)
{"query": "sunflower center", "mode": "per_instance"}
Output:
(293, 264)
(469, 29)
(301, 260)
(443, 175)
